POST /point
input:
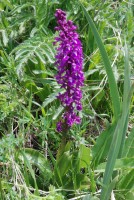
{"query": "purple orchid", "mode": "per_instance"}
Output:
(69, 62)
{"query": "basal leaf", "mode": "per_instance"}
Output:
(84, 156)
(101, 147)
(120, 164)
(129, 145)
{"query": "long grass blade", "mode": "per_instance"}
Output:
(119, 135)
(1, 191)
(125, 95)
(111, 79)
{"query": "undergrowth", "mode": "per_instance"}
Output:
(97, 161)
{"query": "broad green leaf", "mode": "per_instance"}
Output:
(63, 148)
(84, 156)
(64, 163)
(101, 147)
(39, 160)
(120, 164)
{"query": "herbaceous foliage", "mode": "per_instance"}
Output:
(42, 91)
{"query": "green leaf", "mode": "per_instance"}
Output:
(30, 170)
(50, 99)
(58, 112)
(111, 79)
(39, 160)
(126, 181)
(40, 56)
(6, 3)
(125, 97)
(64, 163)
(120, 164)
(34, 49)
(130, 195)
(111, 186)
(101, 147)
(129, 145)
(5, 37)
(115, 147)
(117, 142)
(85, 156)
(48, 51)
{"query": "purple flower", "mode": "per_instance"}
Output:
(69, 62)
